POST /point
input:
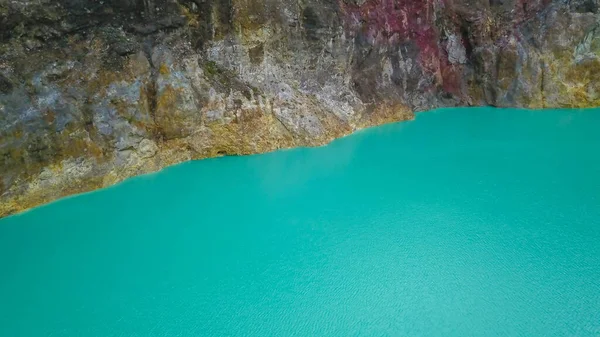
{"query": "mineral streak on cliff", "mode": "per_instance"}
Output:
(92, 92)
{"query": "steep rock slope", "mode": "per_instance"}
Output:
(92, 92)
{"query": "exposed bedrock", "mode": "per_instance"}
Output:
(92, 92)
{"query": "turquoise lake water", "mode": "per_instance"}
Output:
(464, 222)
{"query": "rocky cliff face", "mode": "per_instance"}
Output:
(92, 92)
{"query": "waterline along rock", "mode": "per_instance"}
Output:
(93, 92)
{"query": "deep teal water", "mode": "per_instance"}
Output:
(465, 222)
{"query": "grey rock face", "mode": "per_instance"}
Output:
(93, 92)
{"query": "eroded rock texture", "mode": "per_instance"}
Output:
(92, 92)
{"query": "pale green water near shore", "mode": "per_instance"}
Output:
(464, 222)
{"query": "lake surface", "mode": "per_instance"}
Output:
(464, 222)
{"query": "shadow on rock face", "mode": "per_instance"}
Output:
(52, 19)
(311, 23)
(584, 6)
(5, 85)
